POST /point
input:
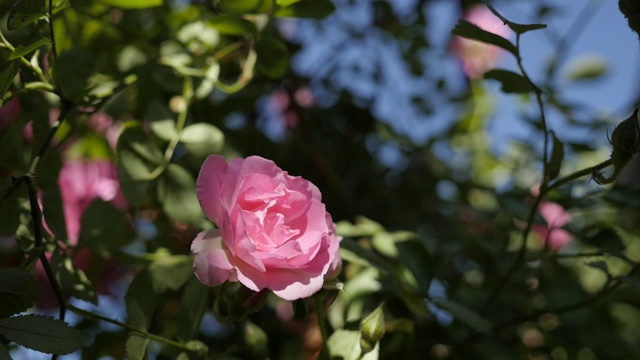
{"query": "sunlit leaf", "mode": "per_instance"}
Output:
(202, 139)
(24, 50)
(136, 346)
(170, 272)
(177, 194)
(133, 4)
(18, 291)
(510, 81)
(468, 30)
(42, 333)
(345, 345)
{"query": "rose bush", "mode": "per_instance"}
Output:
(273, 229)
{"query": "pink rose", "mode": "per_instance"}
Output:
(81, 182)
(477, 57)
(556, 217)
(274, 231)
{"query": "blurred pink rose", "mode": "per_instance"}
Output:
(274, 231)
(9, 113)
(556, 217)
(81, 182)
(104, 125)
(477, 57)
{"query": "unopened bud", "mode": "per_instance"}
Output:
(372, 329)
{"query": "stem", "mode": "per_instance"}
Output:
(54, 50)
(36, 70)
(93, 316)
(319, 299)
(36, 219)
(187, 95)
(525, 233)
(245, 76)
(45, 145)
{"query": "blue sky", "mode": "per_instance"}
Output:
(330, 51)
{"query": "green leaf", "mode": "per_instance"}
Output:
(133, 4)
(608, 241)
(256, 341)
(313, 9)
(170, 272)
(136, 346)
(135, 139)
(284, 3)
(202, 139)
(518, 28)
(18, 291)
(362, 227)
(7, 75)
(210, 78)
(194, 303)
(557, 155)
(25, 12)
(240, 7)
(177, 194)
(72, 280)
(42, 333)
(511, 82)
(232, 25)
(140, 301)
(162, 120)
(465, 315)
(587, 68)
(24, 50)
(600, 265)
(136, 158)
(468, 30)
(345, 345)
(273, 57)
(630, 280)
(104, 228)
(75, 66)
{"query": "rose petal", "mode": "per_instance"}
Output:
(211, 263)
